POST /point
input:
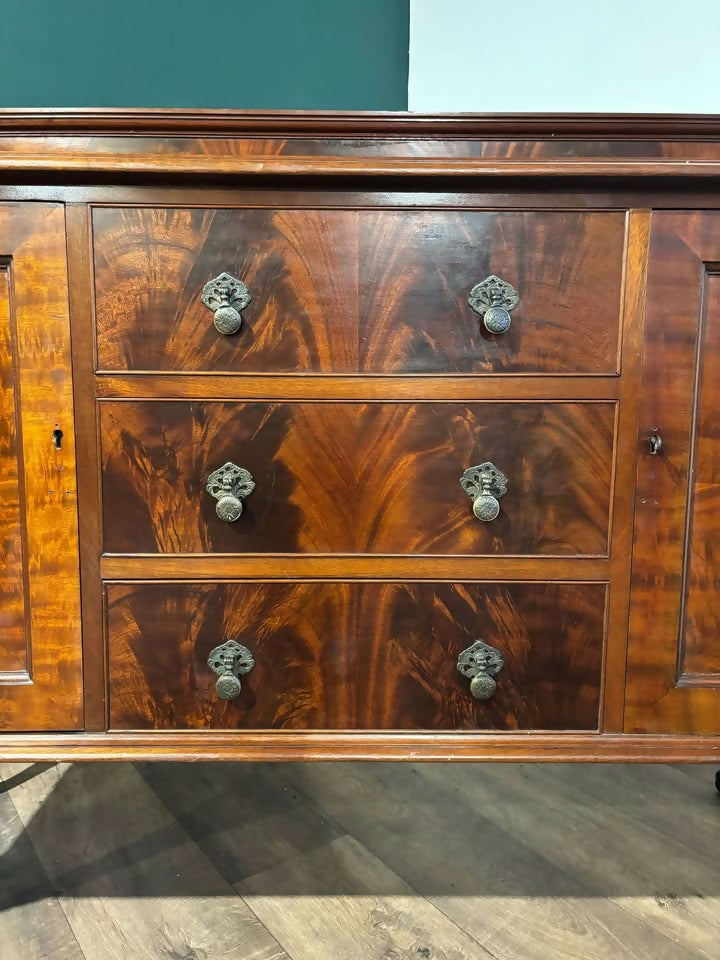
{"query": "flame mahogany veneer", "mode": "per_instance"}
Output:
(359, 387)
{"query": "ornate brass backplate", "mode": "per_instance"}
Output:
(494, 298)
(230, 661)
(226, 296)
(230, 485)
(485, 485)
(481, 663)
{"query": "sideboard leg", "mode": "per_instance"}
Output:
(27, 774)
(717, 781)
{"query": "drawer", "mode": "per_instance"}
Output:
(353, 656)
(357, 478)
(348, 291)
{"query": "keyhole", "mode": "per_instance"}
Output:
(57, 436)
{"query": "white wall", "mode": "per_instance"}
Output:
(656, 56)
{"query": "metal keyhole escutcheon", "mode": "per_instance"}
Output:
(656, 442)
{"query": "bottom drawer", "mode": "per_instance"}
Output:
(355, 656)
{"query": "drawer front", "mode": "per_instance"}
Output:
(354, 478)
(354, 655)
(346, 291)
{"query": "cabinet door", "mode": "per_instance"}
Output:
(40, 648)
(674, 652)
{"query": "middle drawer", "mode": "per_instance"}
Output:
(359, 478)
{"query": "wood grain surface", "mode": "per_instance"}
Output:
(673, 675)
(341, 168)
(355, 656)
(357, 478)
(14, 636)
(426, 745)
(488, 147)
(701, 647)
(33, 246)
(343, 291)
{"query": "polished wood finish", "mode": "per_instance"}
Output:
(357, 291)
(364, 386)
(301, 268)
(13, 586)
(179, 386)
(621, 533)
(77, 221)
(700, 652)
(207, 165)
(380, 125)
(673, 664)
(383, 745)
(290, 567)
(355, 656)
(491, 147)
(40, 649)
(417, 269)
(357, 478)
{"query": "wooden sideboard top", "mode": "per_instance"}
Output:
(230, 143)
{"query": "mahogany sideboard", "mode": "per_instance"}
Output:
(371, 436)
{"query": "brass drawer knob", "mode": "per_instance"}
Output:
(485, 485)
(230, 485)
(481, 663)
(230, 661)
(226, 296)
(493, 299)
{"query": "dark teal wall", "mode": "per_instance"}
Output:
(285, 54)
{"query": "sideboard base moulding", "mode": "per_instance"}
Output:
(261, 745)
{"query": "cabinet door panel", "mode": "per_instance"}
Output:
(40, 648)
(674, 654)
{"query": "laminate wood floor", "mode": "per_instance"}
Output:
(358, 861)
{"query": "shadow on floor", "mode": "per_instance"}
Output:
(505, 830)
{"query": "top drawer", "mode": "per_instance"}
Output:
(348, 291)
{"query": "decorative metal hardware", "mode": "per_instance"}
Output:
(57, 436)
(230, 661)
(226, 296)
(230, 485)
(485, 485)
(494, 298)
(481, 663)
(656, 442)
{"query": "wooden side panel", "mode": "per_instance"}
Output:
(47, 692)
(355, 656)
(673, 660)
(375, 478)
(13, 627)
(343, 291)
